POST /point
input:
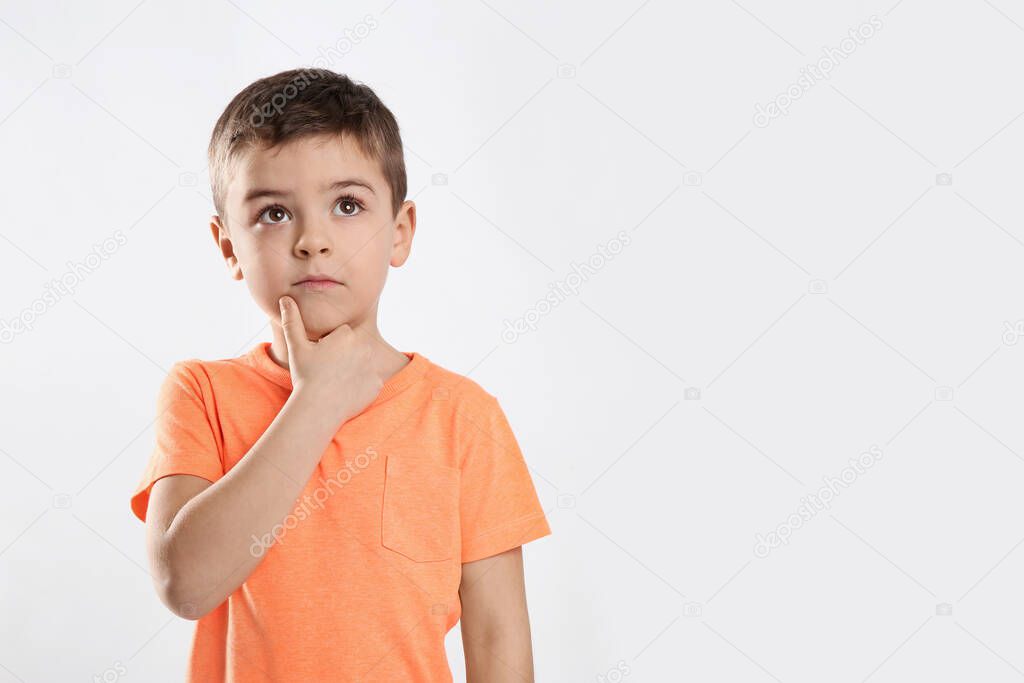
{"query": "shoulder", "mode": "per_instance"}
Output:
(214, 365)
(474, 414)
(462, 391)
(203, 375)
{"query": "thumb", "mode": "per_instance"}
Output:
(292, 325)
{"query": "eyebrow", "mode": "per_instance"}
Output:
(258, 192)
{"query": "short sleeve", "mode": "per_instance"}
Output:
(498, 506)
(184, 438)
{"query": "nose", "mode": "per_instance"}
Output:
(313, 239)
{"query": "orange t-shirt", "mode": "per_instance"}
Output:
(362, 581)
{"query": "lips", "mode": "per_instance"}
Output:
(317, 285)
(317, 282)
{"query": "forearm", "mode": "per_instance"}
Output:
(207, 549)
(498, 656)
(495, 619)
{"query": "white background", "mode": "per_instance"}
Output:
(817, 282)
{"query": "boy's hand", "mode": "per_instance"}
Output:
(337, 370)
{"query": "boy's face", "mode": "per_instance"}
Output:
(313, 207)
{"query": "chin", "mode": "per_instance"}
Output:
(319, 325)
(318, 317)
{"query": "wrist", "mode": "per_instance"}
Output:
(330, 406)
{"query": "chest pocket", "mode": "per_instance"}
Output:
(420, 509)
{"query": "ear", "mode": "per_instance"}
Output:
(405, 228)
(227, 249)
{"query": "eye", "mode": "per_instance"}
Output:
(272, 215)
(348, 206)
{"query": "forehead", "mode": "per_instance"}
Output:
(306, 163)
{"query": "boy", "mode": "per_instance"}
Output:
(325, 505)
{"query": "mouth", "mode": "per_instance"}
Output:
(318, 283)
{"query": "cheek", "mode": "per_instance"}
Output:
(270, 261)
(369, 274)
(266, 273)
(365, 261)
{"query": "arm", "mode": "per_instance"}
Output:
(495, 621)
(199, 536)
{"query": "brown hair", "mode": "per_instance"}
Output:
(299, 103)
